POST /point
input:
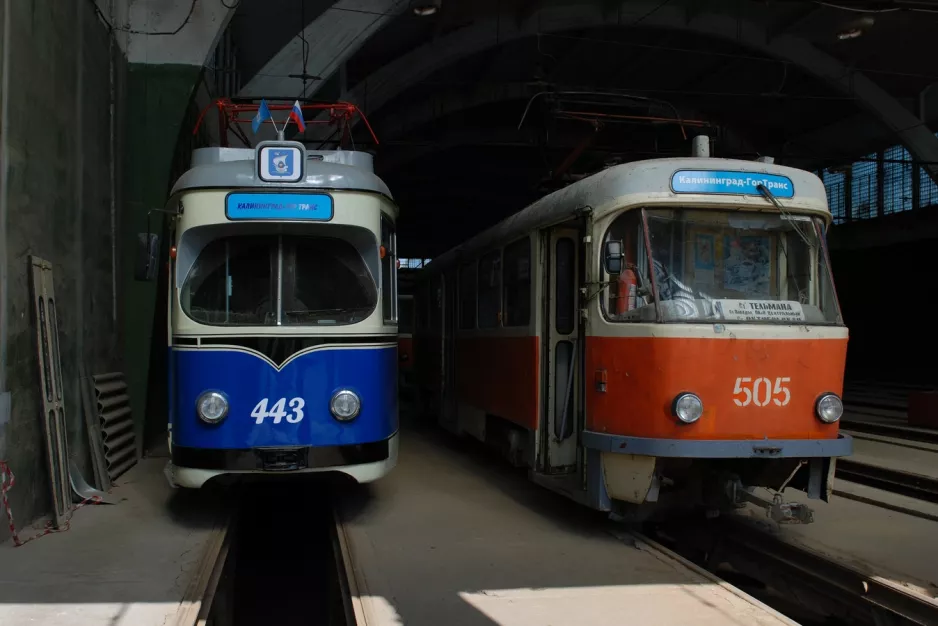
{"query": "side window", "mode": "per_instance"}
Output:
(627, 298)
(518, 283)
(407, 316)
(422, 306)
(565, 286)
(388, 270)
(467, 296)
(490, 289)
(436, 303)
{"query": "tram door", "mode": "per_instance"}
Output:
(448, 410)
(561, 332)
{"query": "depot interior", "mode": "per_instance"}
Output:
(479, 108)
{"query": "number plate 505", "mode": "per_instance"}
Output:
(761, 391)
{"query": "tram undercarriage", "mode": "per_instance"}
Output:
(716, 486)
(644, 488)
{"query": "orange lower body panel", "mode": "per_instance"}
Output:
(500, 376)
(750, 388)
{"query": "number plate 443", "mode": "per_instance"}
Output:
(278, 411)
(761, 391)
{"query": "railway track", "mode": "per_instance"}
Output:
(894, 481)
(797, 574)
(890, 429)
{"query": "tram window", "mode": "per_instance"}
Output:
(436, 303)
(467, 296)
(517, 289)
(730, 266)
(238, 281)
(388, 271)
(565, 286)
(232, 282)
(624, 297)
(407, 316)
(490, 289)
(421, 295)
(325, 281)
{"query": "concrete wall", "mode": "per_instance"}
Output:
(158, 96)
(162, 73)
(59, 207)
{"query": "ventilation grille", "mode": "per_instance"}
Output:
(117, 426)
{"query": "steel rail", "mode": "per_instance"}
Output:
(894, 481)
(892, 430)
(765, 557)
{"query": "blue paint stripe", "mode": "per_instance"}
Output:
(307, 382)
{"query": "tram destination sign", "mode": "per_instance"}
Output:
(759, 310)
(279, 206)
(730, 183)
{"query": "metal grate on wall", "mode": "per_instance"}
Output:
(928, 190)
(897, 180)
(882, 183)
(864, 190)
(835, 183)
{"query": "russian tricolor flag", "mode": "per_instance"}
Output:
(263, 114)
(296, 114)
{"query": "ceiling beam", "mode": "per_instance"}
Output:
(161, 32)
(409, 69)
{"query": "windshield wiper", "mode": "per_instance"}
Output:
(768, 195)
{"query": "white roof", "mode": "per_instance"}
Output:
(646, 183)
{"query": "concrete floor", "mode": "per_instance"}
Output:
(458, 538)
(131, 564)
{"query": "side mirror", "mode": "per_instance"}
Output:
(613, 258)
(148, 251)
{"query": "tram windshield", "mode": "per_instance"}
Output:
(727, 266)
(238, 281)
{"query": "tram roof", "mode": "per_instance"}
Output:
(234, 168)
(639, 183)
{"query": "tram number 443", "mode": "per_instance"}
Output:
(761, 392)
(279, 411)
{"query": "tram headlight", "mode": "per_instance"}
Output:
(345, 405)
(212, 407)
(687, 407)
(829, 408)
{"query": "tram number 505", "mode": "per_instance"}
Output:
(278, 411)
(761, 392)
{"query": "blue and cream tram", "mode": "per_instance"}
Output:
(283, 315)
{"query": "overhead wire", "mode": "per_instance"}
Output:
(913, 9)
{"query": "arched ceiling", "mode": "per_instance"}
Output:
(446, 93)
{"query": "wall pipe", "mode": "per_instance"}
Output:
(4, 191)
(112, 167)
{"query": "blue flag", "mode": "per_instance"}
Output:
(263, 114)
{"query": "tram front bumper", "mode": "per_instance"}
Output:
(720, 449)
(192, 468)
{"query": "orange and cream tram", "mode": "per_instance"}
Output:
(661, 333)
